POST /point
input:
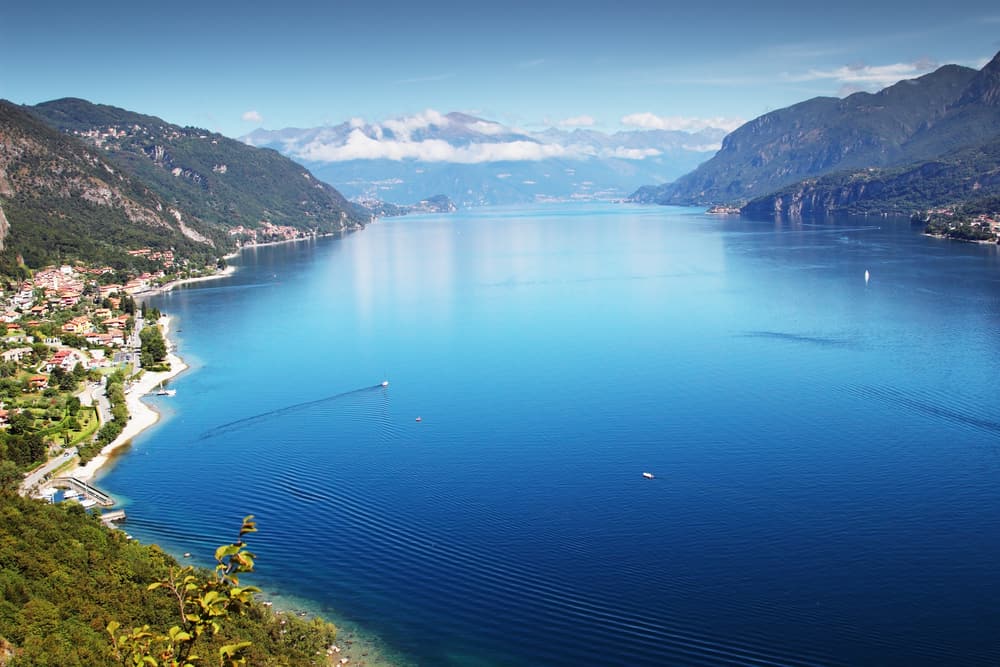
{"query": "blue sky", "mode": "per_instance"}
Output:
(232, 66)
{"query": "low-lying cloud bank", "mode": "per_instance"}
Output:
(431, 136)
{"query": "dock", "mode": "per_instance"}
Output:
(109, 518)
(86, 490)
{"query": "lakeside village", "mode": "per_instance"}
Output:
(74, 342)
(976, 226)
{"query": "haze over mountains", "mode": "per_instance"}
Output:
(921, 142)
(476, 161)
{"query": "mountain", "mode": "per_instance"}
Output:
(62, 199)
(435, 204)
(907, 124)
(211, 181)
(476, 161)
(955, 177)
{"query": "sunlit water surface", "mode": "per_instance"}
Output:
(824, 450)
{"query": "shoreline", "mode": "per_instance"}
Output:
(141, 415)
(945, 237)
(231, 269)
(166, 287)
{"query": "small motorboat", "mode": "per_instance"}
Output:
(385, 383)
(648, 475)
(419, 419)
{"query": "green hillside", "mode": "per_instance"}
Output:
(61, 200)
(209, 178)
(64, 577)
(956, 177)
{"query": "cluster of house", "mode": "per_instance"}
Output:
(266, 233)
(165, 257)
(100, 136)
(61, 288)
(64, 287)
(985, 221)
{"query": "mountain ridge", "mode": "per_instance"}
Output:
(85, 181)
(476, 161)
(217, 180)
(900, 127)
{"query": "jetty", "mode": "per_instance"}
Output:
(79, 486)
(109, 518)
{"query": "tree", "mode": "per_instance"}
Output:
(153, 347)
(202, 606)
(10, 478)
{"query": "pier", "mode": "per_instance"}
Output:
(81, 487)
(109, 518)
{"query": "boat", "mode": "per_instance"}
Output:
(868, 276)
(165, 392)
(648, 475)
(385, 383)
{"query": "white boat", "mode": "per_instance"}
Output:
(165, 392)
(647, 475)
(385, 383)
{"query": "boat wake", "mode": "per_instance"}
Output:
(270, 414)
(823, 341)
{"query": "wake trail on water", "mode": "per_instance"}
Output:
(270, 414)
(823, 341)
(942, 407)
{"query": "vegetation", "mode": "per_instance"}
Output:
(80, 181)
(215, 181)
(968, 222)
(153, 348)
(63, 203)
(65, 581)
(955, 177)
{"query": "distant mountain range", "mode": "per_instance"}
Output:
(86, 181)
(475, 161)
(923, 142)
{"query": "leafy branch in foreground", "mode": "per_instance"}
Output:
(202, 604)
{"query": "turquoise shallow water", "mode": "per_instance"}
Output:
(825, 451)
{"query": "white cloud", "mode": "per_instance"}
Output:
(359, 146)
(402, 128)
(356, 122)
(630, 153)
(703, 148)
(427, 79)
(577, 121)
(868, 76)
(650, 121)
(252, 117)
(486, 127)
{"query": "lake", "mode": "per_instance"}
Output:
(824, 450)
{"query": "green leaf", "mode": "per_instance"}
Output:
(226, 550)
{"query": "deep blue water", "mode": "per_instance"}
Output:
(825, 451)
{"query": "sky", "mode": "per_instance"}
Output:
(233, 67)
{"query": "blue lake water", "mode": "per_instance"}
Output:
(825, 452)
